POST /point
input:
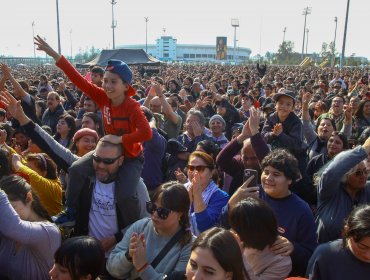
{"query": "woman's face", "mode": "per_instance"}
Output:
(357, 180)
(59, 272)
(360, 249)
(325, 129)
(62, 127)
(205, 176)
(23, 210)
(189, 123)
(275, 183)
(366, 109)
(203, 265)
(88, 122)
(169, 224)
(86, 144)
(335, 145)
(216, 127)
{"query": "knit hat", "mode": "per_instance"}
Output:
(83, 132)
(217, 117)
(121, 69)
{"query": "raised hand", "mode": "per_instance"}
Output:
(254, 120)
(43, 46)
(278, 129)
(12, 105)
(6, 70)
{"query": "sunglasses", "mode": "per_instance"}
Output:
(199, 168)
(105, 160)
(359, 173)
(161, 212)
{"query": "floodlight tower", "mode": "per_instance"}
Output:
(235, 24)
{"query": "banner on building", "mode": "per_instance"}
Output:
(221, 48)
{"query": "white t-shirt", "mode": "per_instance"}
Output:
(103, 216)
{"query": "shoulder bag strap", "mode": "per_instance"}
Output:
(168, 247)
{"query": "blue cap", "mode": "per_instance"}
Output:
(120, 68)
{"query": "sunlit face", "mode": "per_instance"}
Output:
(114, 86)
(275, 183)
(337, 105)
(190, 120)
(284, 106)
(366, 109)
(246, 103)
(23, 210)
(325, 129)
(96, 78)
(203, 265)
(59, 272)
(155, 105)
(353, 103)
(52, 101)
(357, 180)
(249, 157)
(216, 127)
(360, 249)
(85, 144)
(335, 145)
(107, 172)
(167, 225)
(205, 176)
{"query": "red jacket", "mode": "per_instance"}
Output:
(126, 119)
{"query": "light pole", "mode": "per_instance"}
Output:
(59, 47)
(306, 11)
(114, 23)
(235, 24)
(284, 34)
(70, 39)
(307, 30)
(344, 37)
(335, 37)
(146, 33)
(33, 36)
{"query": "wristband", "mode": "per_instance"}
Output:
(143, 267)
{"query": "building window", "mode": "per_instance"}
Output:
(210, 55)
(198, 55)
(186, 55)
(166, 55)
(192, 55)
(204, 55)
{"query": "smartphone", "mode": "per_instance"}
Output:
(249, 173)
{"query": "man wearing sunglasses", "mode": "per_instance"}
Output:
(100, 213)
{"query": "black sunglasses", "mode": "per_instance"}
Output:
(104, 160)
(359, 173)
(199, 168)
(161, 212)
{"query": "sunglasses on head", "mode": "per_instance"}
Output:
(161, 212)
(104, 160)
(199, 168)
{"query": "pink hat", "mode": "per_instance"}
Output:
(83, 132)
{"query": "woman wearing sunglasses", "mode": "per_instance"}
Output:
(207, 200)
(347, 258)
(336, 198)
(137, 253)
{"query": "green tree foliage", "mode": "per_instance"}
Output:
(88, 54)
(286, 54)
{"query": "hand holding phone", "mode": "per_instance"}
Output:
(249, 173)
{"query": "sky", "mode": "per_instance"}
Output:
(261, 23)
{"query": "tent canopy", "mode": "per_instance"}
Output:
(129, 56)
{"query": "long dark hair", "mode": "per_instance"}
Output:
(71, 123)
(357, 224)
(174, 196)
(44, 163)
(17, 188)
(225, 249)
(81, 255)
(360, 110)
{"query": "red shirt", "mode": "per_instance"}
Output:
(126, 119)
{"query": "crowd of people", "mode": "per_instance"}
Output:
(194, 172)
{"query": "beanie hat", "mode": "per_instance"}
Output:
(217, 117)
(123, 71)
(83, 132)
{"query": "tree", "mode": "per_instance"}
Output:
(88, 54)
(286, 55)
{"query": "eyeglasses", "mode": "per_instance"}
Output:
(161, 212)
(107, 161)
(199, 168)
(359, 173)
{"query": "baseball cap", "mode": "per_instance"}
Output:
(121, 69)
(284, 92)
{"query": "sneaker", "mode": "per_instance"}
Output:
(65, 218)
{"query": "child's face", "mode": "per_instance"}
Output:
(114, 86)
(96, 78)
(284, 106)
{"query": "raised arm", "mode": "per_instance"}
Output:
(330, 179)
(16, 86)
